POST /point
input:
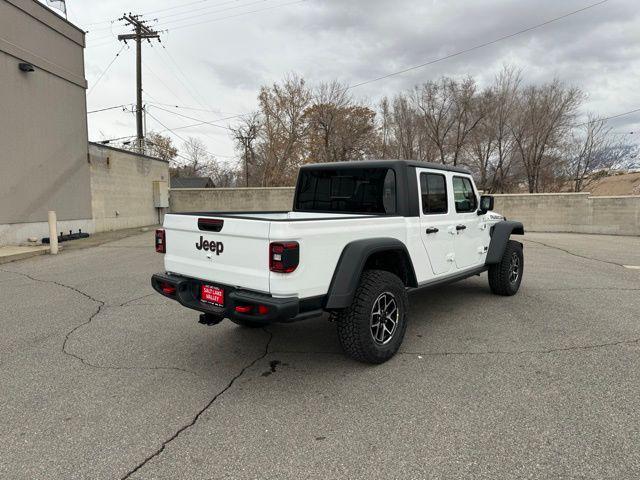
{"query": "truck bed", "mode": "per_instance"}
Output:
(244, 239)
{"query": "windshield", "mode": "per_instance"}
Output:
(357, 190)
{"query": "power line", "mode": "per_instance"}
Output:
(183, 107)
(180, 137)
(186, 5)
(611, 117)
(240, 14)
(177, 20)
(190, 88)
(106, 70)
(204, 122)
(159, 78)
(476, 47)
(109, 108)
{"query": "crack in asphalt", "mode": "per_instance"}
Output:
(64, 349)
(135, 299)
(573, 253)
(195, 418)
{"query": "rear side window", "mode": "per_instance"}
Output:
(357, 190)
(433, 188)
(464, 195)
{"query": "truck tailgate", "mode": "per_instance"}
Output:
(237, 255)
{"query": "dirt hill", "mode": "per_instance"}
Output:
(624, 184)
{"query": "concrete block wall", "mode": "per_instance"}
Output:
(543, 212)
(572, 212)
(122, 188)
(231, 199)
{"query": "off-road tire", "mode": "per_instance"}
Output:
(248, 323)
(501, 279)
(355, 322)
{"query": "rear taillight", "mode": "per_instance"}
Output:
(167, 288)
(284, 256)
(161, 241)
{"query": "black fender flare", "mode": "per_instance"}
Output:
(346, 276)
(500, 234)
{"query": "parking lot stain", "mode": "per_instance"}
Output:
(273, 365)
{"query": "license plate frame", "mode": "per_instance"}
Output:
(212, 295)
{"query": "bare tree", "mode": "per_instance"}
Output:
(482, 141)
(160, 146)
(197, 160)
(435, 103)
(545, 117)
(282, 108)
(339, 129)
(449, 114)
(245, 136)
(592, 148)
(506, 90)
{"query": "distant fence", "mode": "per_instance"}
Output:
(543, 212)
(572, 212)
(230, 199)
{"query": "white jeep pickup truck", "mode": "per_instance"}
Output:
(359, 237)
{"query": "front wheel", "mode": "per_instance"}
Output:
(505, 277)
(372, 328)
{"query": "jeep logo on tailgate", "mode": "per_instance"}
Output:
(210, 246)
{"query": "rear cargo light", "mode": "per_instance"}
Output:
(284, 256)
(161, 244)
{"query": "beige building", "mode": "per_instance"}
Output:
(44, 154)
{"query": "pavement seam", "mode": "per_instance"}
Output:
(195, 418)
(68, 335)
(574, 254)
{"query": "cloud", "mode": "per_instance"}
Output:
(222, 64)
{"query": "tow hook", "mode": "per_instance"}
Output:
(210, 320)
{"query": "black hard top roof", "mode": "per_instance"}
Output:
(385, 164)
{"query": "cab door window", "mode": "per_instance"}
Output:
(464, 196)
(433, 188)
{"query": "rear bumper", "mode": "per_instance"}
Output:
(187, 293)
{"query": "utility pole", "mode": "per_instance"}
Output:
(246, 136)
(140, 32)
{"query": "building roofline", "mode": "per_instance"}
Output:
(130, 152)
(52, 10)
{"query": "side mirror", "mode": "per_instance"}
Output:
(486, 204)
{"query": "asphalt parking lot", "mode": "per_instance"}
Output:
(102, 378)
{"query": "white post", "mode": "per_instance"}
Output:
(53, 233)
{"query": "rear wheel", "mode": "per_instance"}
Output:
(505, 277)
(372, 328)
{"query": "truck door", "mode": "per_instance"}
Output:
(436, 222)
(468, 240)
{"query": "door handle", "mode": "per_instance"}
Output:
(460, 227)
(432, 230)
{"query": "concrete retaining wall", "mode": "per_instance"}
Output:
(231, 199)
(572, 212)
(544, 212)
(122, 188)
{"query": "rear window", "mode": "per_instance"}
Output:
(357, 190)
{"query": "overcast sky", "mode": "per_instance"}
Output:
(217, 56)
